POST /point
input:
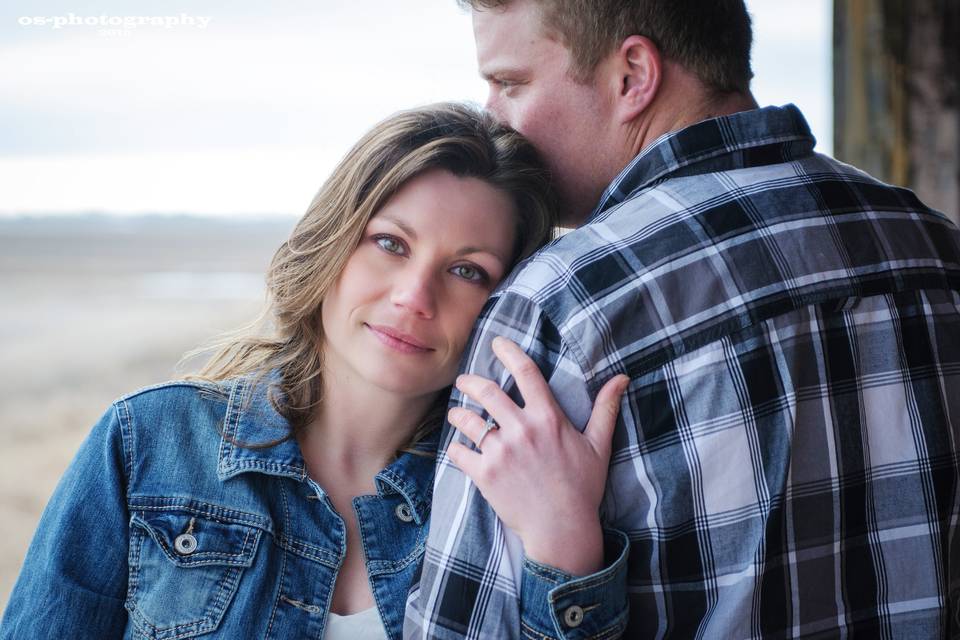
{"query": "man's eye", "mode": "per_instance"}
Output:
(510, 88)
(389, 244)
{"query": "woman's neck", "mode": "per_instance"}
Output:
(358, 427)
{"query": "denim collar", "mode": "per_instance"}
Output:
(251, 419)
(770, 135)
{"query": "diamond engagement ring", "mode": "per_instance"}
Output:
(488, 427)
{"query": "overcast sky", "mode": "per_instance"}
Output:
(245, 111)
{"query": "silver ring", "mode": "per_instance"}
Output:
(489, 426)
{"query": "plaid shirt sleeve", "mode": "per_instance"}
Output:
(787, 462)
(475, 582)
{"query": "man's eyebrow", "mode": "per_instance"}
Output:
(498, 72)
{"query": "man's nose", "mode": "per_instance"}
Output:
(492, 105)
(414, 289)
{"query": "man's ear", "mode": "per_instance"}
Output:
(640, 70)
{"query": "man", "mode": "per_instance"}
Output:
(786, 459)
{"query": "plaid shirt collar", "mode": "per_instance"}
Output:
(764, 136)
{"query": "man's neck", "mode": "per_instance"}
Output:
(681, 102)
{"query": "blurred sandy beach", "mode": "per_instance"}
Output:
(91, 308)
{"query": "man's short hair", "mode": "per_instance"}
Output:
(711, 39)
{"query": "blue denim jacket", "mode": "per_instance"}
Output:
(163, 528)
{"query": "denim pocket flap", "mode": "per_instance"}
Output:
(194, 541)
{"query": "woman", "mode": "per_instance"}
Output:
(285, 491)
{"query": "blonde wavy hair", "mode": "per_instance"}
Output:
(288, 336)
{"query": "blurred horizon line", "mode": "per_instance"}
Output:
(7, 216)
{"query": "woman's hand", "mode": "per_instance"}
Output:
(544, 478)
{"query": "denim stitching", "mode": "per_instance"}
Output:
(231, 422)
(393, 566)
(133, 570)
(276, 600)
(126, 439)
(213, 612)
(211, 617)
(533, 634)
(548, 573)
(214, 512)
(312, 609)
(613, 631)
(308, 551)
(209, 557)
(300, 548)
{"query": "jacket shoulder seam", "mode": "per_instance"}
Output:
(172, 384)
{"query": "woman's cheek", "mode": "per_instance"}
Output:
(468, 312)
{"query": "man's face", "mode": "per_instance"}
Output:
(532, 91)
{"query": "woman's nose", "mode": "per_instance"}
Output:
(414, 290)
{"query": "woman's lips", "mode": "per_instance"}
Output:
(397, 340)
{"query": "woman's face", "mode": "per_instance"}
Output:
(400, 314)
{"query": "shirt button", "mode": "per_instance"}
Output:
(403, 512)
(573, 616)
(185, 544)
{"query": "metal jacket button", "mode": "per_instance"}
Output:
(403, 512)
(573, 616)
(185, 544)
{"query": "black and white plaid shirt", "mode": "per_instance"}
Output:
(786, 463)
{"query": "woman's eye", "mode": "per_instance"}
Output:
(389, 244)
(467, 272)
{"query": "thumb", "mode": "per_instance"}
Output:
(603, 418)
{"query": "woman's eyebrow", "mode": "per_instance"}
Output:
(407, 229)
(468, 250)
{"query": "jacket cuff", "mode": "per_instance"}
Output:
(555, 604)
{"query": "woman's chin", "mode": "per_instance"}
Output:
(408, 385)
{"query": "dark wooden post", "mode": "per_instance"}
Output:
(896, 83)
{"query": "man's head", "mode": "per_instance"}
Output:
(591, 82)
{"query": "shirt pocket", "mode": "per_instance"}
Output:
(184, 570)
